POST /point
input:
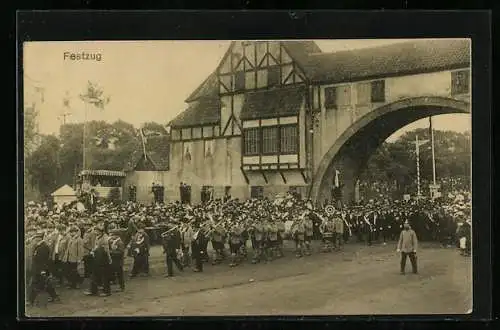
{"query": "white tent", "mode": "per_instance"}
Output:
(64, 195)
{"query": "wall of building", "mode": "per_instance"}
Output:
(332, 123)
(143, 180)
(61, 200)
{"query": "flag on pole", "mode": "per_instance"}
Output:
(337, 182)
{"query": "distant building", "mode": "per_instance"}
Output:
(142, 170)
(276, 116)
(64, 195)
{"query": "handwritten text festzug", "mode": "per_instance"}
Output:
(82, 56)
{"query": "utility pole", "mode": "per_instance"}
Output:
(433, 155)
(62, 117)
(418, 143)
(417, 152)
(84, 164)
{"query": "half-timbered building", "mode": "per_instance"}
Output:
(264, 120)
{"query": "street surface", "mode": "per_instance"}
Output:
(358, 280)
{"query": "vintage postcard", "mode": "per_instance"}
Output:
(247, 177)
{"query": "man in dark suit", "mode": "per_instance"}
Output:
(101, 264)
(197, 248)
(40, 281)
(117, 251)
(171, 244)
(140, 251)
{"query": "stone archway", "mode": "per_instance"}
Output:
(352, 149)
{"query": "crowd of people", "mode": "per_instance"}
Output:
(58, 240)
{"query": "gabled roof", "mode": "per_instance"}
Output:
(396, 59)
(272, 103)
(416, 56)
(299, 50)
(208, 88)
(157, 151)
(204, 111)
(64, 191)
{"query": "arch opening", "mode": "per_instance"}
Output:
(351, 151)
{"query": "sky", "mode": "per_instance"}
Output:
(145, 80)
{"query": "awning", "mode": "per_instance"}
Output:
(102, 173)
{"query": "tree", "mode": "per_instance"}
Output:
(30, 115)
(99, 155)
(43, 164)
(94, 95)
(396, 161)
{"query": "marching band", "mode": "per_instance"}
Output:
(231, 227)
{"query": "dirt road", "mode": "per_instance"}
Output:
(359, 280)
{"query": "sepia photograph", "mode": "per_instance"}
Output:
(247, 177)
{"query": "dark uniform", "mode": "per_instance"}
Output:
(101, 265)
(171, 243)
(39, 280)
(117, 251)
(197, 249)
(140, 252)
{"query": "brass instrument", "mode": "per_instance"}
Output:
(165, 234)
(140, 239)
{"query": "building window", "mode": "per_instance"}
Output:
(176, 134)
(269, 140)
(186, 134)
(250, 80)
(185, 192)
(239, 81)
(227, 193)
(273, 76)
(378, 91)
(460, 82)
(251, 141)
(330, 97)
(197, 133)
(289, 141)
(256, 192)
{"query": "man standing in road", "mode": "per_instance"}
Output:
(407, 245)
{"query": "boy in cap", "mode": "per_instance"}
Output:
(407, 246)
